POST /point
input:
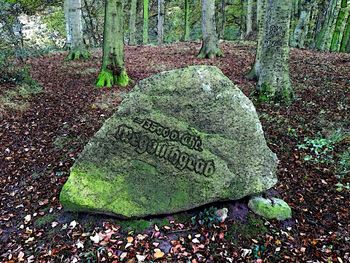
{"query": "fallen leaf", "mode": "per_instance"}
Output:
(95, 238)
(158, 253)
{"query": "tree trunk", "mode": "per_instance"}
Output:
(113, 70)
(187, 20)
(210, 43)
(259, 6)
(323, 39)
(88, 17)
(302, 27)
(68, 24)
(345, 43)
(132, 23)
(160, 26)
(222, 19)
(274, 81)
(145, 22)
(340, 26)
(74, 27)
(243, 18)
(315, 12)
(249, 18)
(294, 15)
(255, 71)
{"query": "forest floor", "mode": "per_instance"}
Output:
(41, 139)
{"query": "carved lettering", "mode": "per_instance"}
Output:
(161, 149)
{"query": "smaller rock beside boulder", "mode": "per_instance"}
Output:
(273, 208)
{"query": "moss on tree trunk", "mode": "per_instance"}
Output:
(324, 37)
(255, 70)
(132, 23)
(345, 43)
(302, 26)
(145, 22)
(340, 26)
(160, 25)
(273, 79)
(249, 19)
(74, 27)
(113, 71)
(210, 43)
(187, 20)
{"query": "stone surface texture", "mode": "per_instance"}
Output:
(180, 139)
(273, 208)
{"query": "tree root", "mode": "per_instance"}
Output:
(78, 55)
(210, 53)
(107, 79)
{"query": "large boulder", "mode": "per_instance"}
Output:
(179, 140)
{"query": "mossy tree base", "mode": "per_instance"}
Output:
(78, 55)
(210, 53)
(107, 79)
(252, 75)
(267, 93)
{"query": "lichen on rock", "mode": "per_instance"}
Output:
(273, 208)
(171, 146)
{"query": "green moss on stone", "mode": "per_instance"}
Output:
(111, 177)
(95, 194)
(270, 208)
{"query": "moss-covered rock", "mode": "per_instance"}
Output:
(179, 140)
(273, 208)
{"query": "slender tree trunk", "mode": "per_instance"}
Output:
(259, 5)
(68, 24)
(274, 81)
(243, 18)
(315, 11)
(302, 26)
(90, 21)
(249, 18)
(132, 23)
(345, 43)
(210, 43)
(329, 36)
(323, 39)
(160, 26)
(113, 70)
(255, 71)
(145, 21)
(340, 26)
(187, 20)
(74, 26)
(294, 15)
(321, 20)
(222, 19)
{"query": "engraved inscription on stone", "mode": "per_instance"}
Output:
(160, 147)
